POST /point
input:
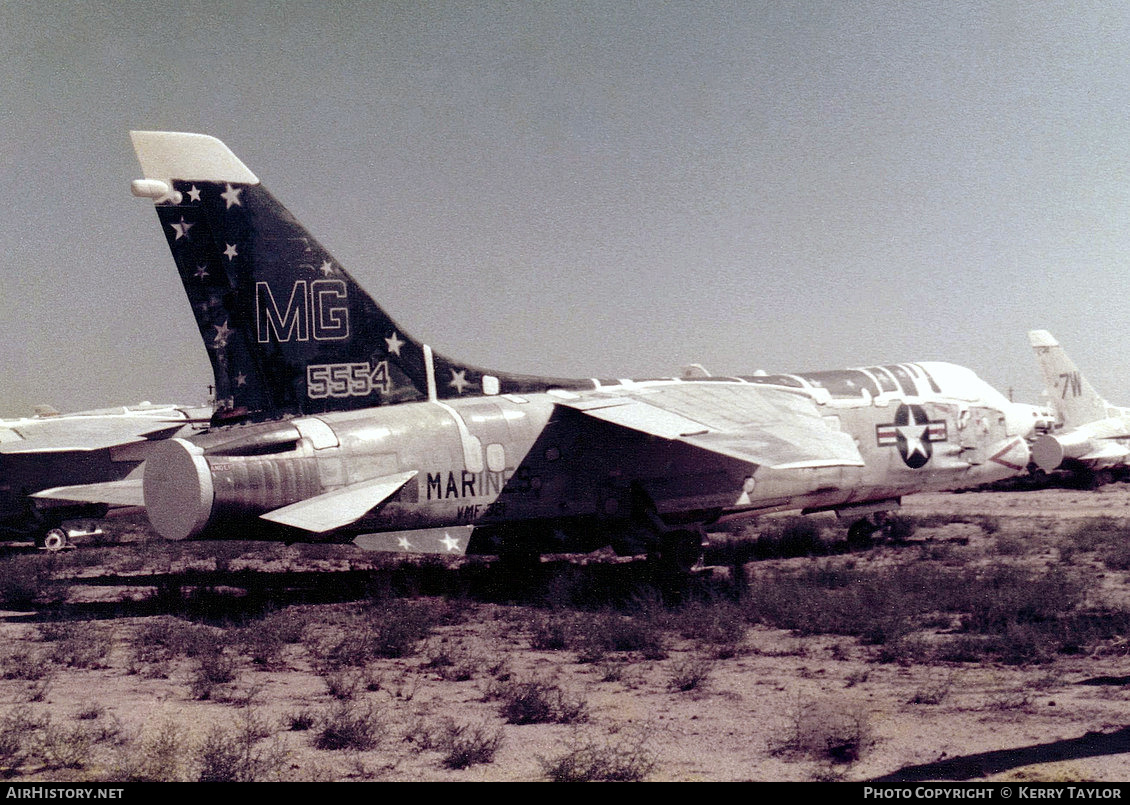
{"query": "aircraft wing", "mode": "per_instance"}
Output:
(340, 507)
(114, 493)
(1110, 428)
(763, 426)
(82, 435)
(1106, 452)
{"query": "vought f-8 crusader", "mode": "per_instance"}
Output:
(333, 422)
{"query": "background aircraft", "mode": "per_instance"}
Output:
(55, 469)
(333, 422)
(1093, 437)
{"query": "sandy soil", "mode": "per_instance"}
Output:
(107, 702)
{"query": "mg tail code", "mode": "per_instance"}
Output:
(318, 310)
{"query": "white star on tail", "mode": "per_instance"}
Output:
(394, 345)
(182, 228)
(231, 196)
(223, 333)
(194, 193)
(231, 252)
(459, 380)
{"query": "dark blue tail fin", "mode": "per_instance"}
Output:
(288, 331)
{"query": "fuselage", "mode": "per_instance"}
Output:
(492, 460)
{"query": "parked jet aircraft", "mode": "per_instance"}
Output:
(335, 422)
(1093, 436)
(55, 469)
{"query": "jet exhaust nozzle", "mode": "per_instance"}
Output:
(178, 489)
(1049, 451)
(222, 483)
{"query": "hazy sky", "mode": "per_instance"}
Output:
(587, 188)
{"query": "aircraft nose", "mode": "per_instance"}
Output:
(178, 489)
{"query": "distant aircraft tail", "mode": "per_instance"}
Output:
(1074, 399)
(287, 330)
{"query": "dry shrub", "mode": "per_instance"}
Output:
(19, 731)
(551, 632)
(934, 690)
(690, 675)
(158, 758)
(67, 747)
(348, 726)
(720, 624)
(24, 663)
(343, 684)
(453, 661)
(26, 580)
(161, 639)
(836, 731)
(235, 757)
(610, 632)
(384, 630)
(1109, 538)
(461, 745)
(265, 638)
(78, 645)
(591, 760)
(537, 702)
(210, 671)
(791, 536)
(1006, 612)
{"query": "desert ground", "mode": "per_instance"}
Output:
(989, 641)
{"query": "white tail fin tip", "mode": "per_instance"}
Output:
(168, 155)
(1042, 338)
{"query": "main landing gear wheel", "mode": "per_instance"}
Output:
(54, 540)
(861, 533)
(680, 550)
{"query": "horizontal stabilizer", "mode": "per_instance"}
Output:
(750, 423)
(449, 541)
(114, 493)
(340, 507)
(75, 435)
(1117, 427)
